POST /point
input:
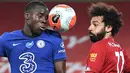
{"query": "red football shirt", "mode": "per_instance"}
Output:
(105, 56)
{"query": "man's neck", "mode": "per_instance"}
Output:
(108, 35)
(26, 31)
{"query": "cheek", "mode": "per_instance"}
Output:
(99, 30)
(32, 21)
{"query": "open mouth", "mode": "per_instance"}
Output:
(42, 28)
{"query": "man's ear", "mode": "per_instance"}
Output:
(108, 28)
(26, 15)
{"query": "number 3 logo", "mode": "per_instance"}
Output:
(29, 65)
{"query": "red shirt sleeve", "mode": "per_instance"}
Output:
(127, 63)
(96, 57)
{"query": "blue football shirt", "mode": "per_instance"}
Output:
(32, 55)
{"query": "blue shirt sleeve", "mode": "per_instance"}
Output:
(2, 48)
(59, 50)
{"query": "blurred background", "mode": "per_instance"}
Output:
(76, 40)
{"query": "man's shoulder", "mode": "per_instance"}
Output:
(106, 44)
(101, 43)
(52, 36)
(8, 35)
(53, 33)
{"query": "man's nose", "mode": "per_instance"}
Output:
(44, 20)
(90, 28)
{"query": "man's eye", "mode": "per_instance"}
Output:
(40, 15)
(95, 24)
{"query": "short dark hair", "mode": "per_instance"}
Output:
(33, 4)
(111, 15)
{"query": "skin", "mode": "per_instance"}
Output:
(36, 21)
(99, 29)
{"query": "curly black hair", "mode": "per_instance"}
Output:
(111, 15)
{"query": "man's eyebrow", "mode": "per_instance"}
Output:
(41, 12)
(95, 21)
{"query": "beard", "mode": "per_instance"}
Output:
(94, 38)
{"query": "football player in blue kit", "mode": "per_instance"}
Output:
(34, 49)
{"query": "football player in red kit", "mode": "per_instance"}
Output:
(106, 55)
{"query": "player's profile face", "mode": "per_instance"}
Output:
(96, 29)
(39, 19)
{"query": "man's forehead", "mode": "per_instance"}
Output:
(97, 18)
(41, 9)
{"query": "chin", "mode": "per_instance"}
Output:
(38, 32)
(94, 39)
